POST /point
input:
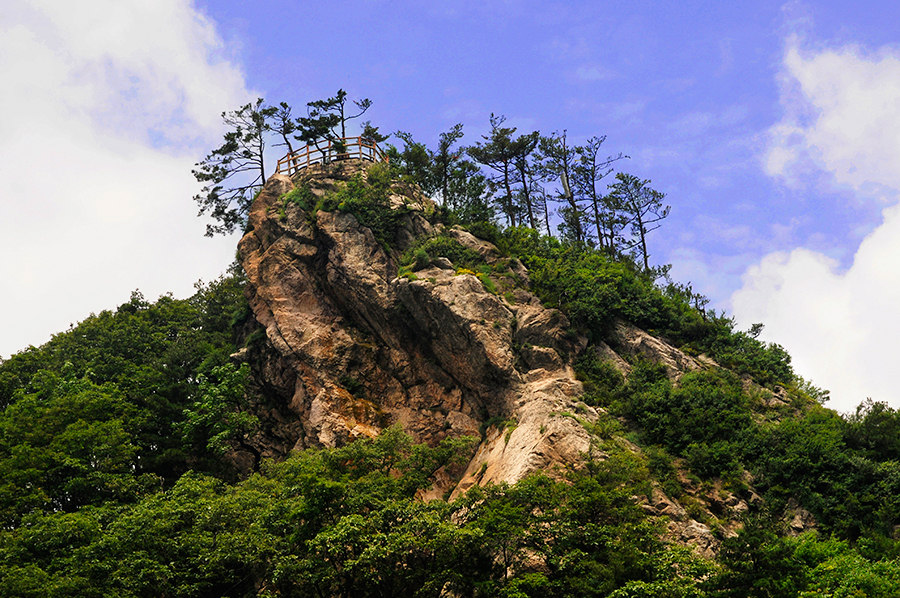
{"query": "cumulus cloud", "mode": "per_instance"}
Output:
(841, 129)
(107, 105)
(842, 118)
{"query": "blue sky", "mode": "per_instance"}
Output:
(772, 127)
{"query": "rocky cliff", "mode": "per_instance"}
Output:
(354, 343)
(357, 348)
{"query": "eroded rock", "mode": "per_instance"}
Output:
(355, 348)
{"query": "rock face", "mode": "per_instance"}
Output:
(636, 342)
(346, 346)
(352, 348)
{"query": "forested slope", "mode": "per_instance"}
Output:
(132, 455)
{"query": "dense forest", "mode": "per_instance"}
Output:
(116, 437)
(113, 482)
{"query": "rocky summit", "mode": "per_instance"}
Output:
(356, 341)
(355, 348)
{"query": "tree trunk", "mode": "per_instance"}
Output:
(511, 212)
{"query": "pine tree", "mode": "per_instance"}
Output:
(643, 208)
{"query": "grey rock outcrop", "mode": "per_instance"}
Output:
(631, 340)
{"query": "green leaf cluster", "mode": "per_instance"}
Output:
(703, 418)
(301, 196)
(848, 480)
(423, 252)
(69, 444)
(759, 562)
(368, 199)
(95, 413)
(346, 522)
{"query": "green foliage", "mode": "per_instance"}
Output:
(661, 466)
(234, 173)
(758, 564)
(337, 522)
(353, 386)
(586, 537)
(595, 290)
(326, 120)
(69, 444)
(498, 421)
(444, 175)
(810, 390)
(134, 370)
(768, 364)
(483, 229)
(643, 210)
(817, 457)
(602, 381)
(500, 152)
(345, 521)
(718, 459)
(676, 573)
(407, 273)
(592, 289)
(486, 281)
(221, 417)
(704, 419)
(835, 569)
(421, 259)
(874, 429)
(852, 493)
(413, 164)
(301, 196)
(442, 245)
(369, 201)
(706, 407)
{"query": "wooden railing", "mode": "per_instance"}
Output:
(354, 147)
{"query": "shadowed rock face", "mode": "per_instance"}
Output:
(352, 348)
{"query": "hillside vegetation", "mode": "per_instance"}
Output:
(119, 475)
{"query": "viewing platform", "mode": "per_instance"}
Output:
(327, 151)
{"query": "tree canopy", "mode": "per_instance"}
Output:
(526, 174)
(234, 172)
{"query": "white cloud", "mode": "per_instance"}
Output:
(842, 116)
(108, 104)
(841, 127)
